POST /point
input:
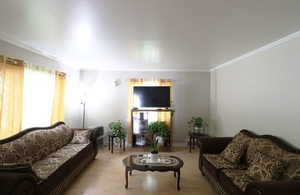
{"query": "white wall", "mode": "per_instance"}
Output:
(106, 102)
(72, 102)
(260, 93)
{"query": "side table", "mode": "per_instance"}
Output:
(194, 136)
(111, 143)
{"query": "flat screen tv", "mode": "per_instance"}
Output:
(157, 97)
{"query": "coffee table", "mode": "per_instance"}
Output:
(143, 162)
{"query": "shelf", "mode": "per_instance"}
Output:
(152, 110)
(140, 119)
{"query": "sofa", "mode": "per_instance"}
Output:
(249, 164)
(44, 160)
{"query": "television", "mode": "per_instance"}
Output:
(157, 97)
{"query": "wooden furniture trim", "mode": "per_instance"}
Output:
(130, 166)
(26, 131)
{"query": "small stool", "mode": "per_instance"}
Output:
(111, 143)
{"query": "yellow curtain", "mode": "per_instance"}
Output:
(11, 96)
(58, 110)
(166, 116)
(162, 116)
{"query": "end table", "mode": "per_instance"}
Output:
(111, 143)
(194, 136)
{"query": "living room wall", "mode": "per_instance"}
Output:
(107, 102)
(259, 92)
(72, 102)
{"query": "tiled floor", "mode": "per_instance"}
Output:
(106, 176)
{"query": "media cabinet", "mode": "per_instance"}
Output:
(140, 119)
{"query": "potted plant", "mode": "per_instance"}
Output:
(159, 128)
(196, 123)
(118, 129)
(160, 131)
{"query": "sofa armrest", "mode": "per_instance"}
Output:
(213, 145)
(96, 133)
(18, 182)
(291, 187)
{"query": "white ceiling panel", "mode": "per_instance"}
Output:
(148, 34)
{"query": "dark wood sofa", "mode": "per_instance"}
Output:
(221, 174)
(44, 160)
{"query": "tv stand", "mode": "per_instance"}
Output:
(140, 119)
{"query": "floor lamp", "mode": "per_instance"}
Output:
(83, 102)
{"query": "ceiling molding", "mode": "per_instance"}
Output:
(259, 50)
(9, 39)
(150, 70)
(21, 44)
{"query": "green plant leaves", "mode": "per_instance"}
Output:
(159, 128)
(196, 122)
(117, 129)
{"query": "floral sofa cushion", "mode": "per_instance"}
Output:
(238, 177)
(44, 168)
(219, 161)
(264, 146)
(35, 145)
(292, 162)
(265, 168)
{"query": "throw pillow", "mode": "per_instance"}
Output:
(81, 137)
(234, 151)
(265, 146)
(242, 138)
(237, 148)
(265, 168)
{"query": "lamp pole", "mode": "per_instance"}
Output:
(83, 115)
(83, 102)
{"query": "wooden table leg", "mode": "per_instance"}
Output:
(190, 143)
(126, 178)
(120, 143)
(112, 144)
(178, 180)
(130, 172)
(109, 143)
(193, 143)
(174, 173)
(124, 144)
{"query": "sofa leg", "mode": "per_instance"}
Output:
(202, 173)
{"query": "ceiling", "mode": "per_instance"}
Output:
(177, 35)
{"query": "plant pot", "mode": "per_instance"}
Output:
(196, 130)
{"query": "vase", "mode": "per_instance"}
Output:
(154, 156)
(196, 129)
